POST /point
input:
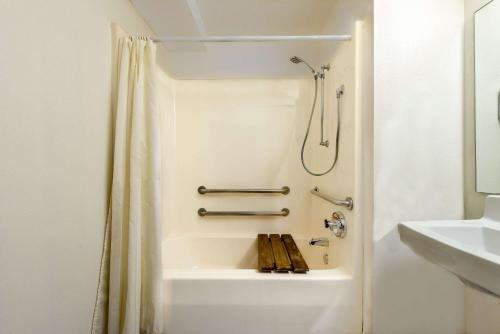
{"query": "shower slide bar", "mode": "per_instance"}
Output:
(348, 202)
(260, 38)
(204, 190)
(202, 212)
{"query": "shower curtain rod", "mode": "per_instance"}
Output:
(261, 38)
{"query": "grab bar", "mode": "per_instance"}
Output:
(202, 212)
(348, 202)
(204, 190)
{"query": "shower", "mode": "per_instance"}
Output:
(297, 60)
(321, 75)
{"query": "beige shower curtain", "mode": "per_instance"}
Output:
(129, 298)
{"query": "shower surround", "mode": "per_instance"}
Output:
(247, 134)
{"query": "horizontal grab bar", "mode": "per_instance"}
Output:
(204, 190)
(348, 202)
(203, 212)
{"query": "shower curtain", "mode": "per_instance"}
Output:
(129, 297)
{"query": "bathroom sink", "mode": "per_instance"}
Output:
(470, 249)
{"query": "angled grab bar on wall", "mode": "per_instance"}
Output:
(204, 190)
(202, 212)
(348, 202)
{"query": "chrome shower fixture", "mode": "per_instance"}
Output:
(338, 224)
(297, 60)
(325, 143)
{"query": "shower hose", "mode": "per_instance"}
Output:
(337, 136)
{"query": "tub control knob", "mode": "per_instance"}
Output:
(327, 223)
(338, 224)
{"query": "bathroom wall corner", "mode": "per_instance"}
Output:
(418, 159)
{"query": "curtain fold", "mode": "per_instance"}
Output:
(129, 296)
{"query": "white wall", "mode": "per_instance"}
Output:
(55, 125)
(482, 312)
(417, 159)
(240, 134)
(166, 86)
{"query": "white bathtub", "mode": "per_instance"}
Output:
(211, 286)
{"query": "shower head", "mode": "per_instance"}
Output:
(297, 60)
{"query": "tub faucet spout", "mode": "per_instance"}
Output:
(324, 242)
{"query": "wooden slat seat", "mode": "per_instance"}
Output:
(281, 260)
(298, 262)
(266, 257)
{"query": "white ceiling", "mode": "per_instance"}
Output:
(242, 17)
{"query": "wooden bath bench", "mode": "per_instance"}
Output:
(279, 254)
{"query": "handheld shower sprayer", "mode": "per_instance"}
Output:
(325, 143)
(297, 60)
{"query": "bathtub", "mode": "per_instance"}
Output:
(212, 286)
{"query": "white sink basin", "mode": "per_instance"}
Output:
(469, 249)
